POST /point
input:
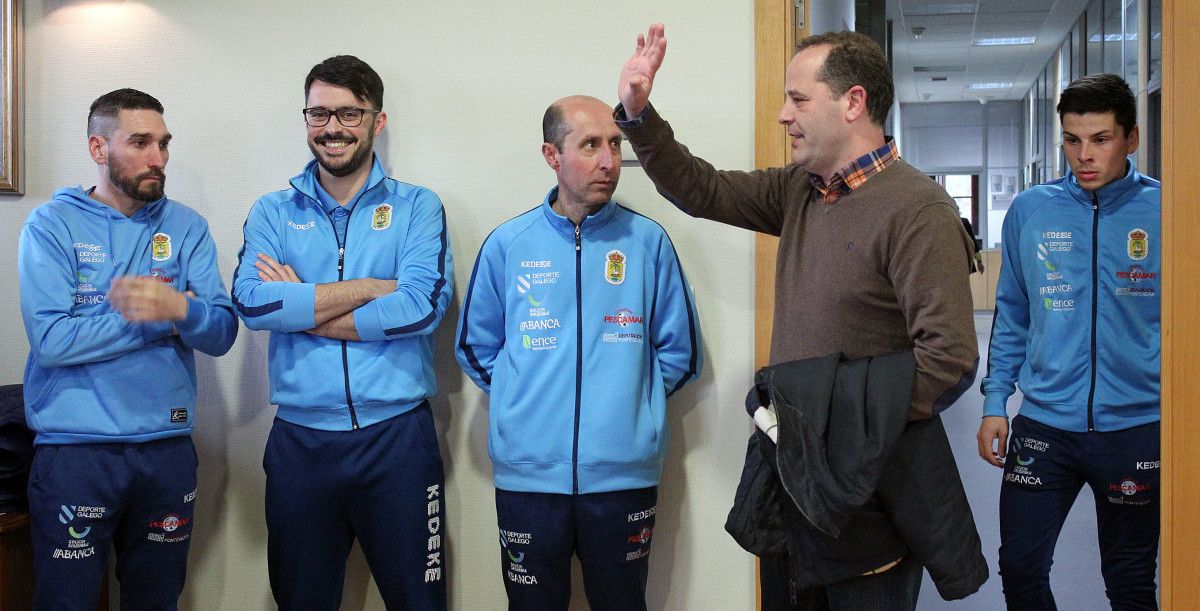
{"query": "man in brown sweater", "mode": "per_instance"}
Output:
(872, 260)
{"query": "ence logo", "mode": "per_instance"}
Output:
(539, 343)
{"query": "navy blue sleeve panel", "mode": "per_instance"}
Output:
(675, 326)
(481, 324)
(211, 325)
(286, 307)
(1010, 323)
(57, 337)
(424, 283)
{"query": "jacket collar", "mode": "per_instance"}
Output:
(1112, 194)
(564, 225)
(306, 181)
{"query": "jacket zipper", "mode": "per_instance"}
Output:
(1095, 279)
(345, 352)
(578, 356)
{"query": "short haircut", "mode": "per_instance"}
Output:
(102, 116)
(1100, 93)
(353, 74)
(855, 59)
(554, 126)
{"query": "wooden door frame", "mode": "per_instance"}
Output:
(775, 38)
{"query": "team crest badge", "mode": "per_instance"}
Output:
(160, 247)
(1139, 244)
(614, 267)
(382, 217)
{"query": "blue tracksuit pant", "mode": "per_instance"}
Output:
(140, 497)
(1043, 472)
(381, 484)
(609, 531)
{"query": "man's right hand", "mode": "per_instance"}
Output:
(637, 76)
(993, 439)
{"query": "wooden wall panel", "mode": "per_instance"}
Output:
(775, 37)
(1181, 314)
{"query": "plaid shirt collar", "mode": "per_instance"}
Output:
(856, 173)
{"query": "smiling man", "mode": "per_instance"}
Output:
(1077, 328)
(119, 285)
(873, 260)
(351, 273)
(578, 323)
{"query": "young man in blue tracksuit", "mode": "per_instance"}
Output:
(578, 323)
(118, 286)
(1077, 328)
(351, 273)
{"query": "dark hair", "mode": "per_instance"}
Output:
(353, 74)
(554, 126)
(1100, 93)
(855, 59)
(102, 116)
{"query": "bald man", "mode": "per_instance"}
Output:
(578, 322)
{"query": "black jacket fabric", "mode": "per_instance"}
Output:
(852, 485)
(16, 450)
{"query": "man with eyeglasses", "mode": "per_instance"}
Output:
(351, 272)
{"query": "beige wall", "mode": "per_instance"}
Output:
(467, 84)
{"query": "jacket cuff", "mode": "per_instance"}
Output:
(299, 306)
(624, 122)
(194, 318)
(152, 331)
(367, 323)
(995, 405)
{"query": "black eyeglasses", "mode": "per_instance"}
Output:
(348, 116)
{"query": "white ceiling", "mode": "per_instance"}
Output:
(945, 46)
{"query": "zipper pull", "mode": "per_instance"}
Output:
(577, 243)
(341, 257)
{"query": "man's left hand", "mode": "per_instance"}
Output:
(146, 299)
(270, 270)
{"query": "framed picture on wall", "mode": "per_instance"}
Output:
(10, 101)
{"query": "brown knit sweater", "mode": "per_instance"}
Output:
(884, 269)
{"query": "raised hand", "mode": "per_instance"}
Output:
(637, 76)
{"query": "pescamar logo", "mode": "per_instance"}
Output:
(170, 523)
(160, 247)
(614, 267)
(1134, 275)
(623, 318)
(1138, 244)
(382, 217)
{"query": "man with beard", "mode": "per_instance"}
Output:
(118, 286)
(350, 271)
